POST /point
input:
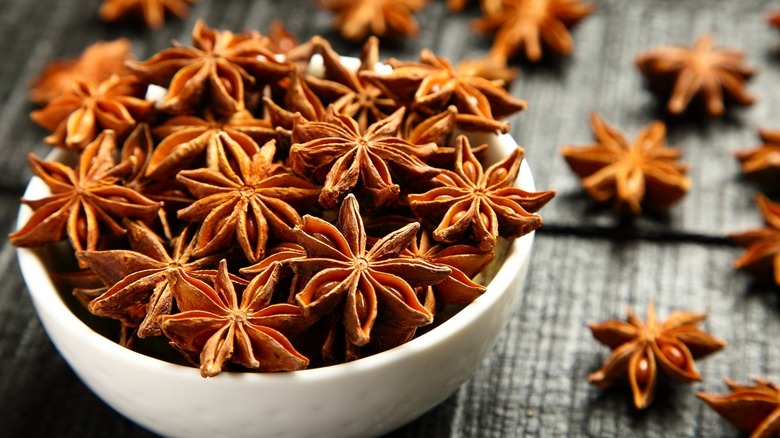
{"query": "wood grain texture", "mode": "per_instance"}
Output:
(589, 264)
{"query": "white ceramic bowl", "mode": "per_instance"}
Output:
(367, 397)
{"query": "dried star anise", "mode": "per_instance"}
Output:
(432, 84)
(639, 349)
(245, 204)
(85, 202)
(139, 290)
(96, 63)
(217, 68)
(752, 408)
(76, 118)
(253, 334)
(644, 173)
(763, 163)
(345, 272)
(482, 202)
(715, 75)
(347, 159)
(152, 11)
(356, 20)
(762, 254)
(526, 24)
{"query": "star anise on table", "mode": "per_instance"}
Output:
(346, 159)
(762, 245)
(431, 84)
(763, 162)
(188, 140)
(152, 11)
(139, 291)
(715, 75)
(645, 173)
(96, 63)
(480, 205)
(639, 349)
(252, 333)
(344, 272)
(356, 20)
(217, 70)
(752, 408)
(85, 203)
(76, 118)
(245, 204)
(529, 25)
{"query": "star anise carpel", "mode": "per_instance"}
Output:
(762, 163)
(753, 408)
(762, 245)
(251, 333)
(714, 76)
(245, 204)
(356, 20)
(643, 174)
(530, 25)
(85, 202)
(365, 281)
(480, 204)
(640, 349)
(152, 12)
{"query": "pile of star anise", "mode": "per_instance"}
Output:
(262, 216)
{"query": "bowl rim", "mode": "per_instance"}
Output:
(44, 294)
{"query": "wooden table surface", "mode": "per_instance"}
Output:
(588, 263)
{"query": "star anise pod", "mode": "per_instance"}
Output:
(432, 84)
(715, 75)
(529, 24)
(85, 202)
(152, 11)
(186, 140)
(252, 334)
(245, 204)
(139, 288)
(347, 159)
(298, 100)
(280, 40)
(763, 163)
(640, 348)
(217, 69)
(643, 173)
(482, 202)
(762, 254)
(96, 63)
(490, 67)
(356, 20)
(76, 118)
(359, 282)
(752, 408)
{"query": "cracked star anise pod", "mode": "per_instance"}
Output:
(763, 162)
(358, 282)
(186, 140)
(644, 173)
(432, 84)
(76, 118)
(96, 63)
(347, 159)
(762, 245)
(139, 291)
(152, 11)
(752, 408)
(528, 25)
(639, 349)
(85, 202)
(252, 333)
(714, 75)
(356, 20)
(245, 204)
(480, 205)
(216, 69)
